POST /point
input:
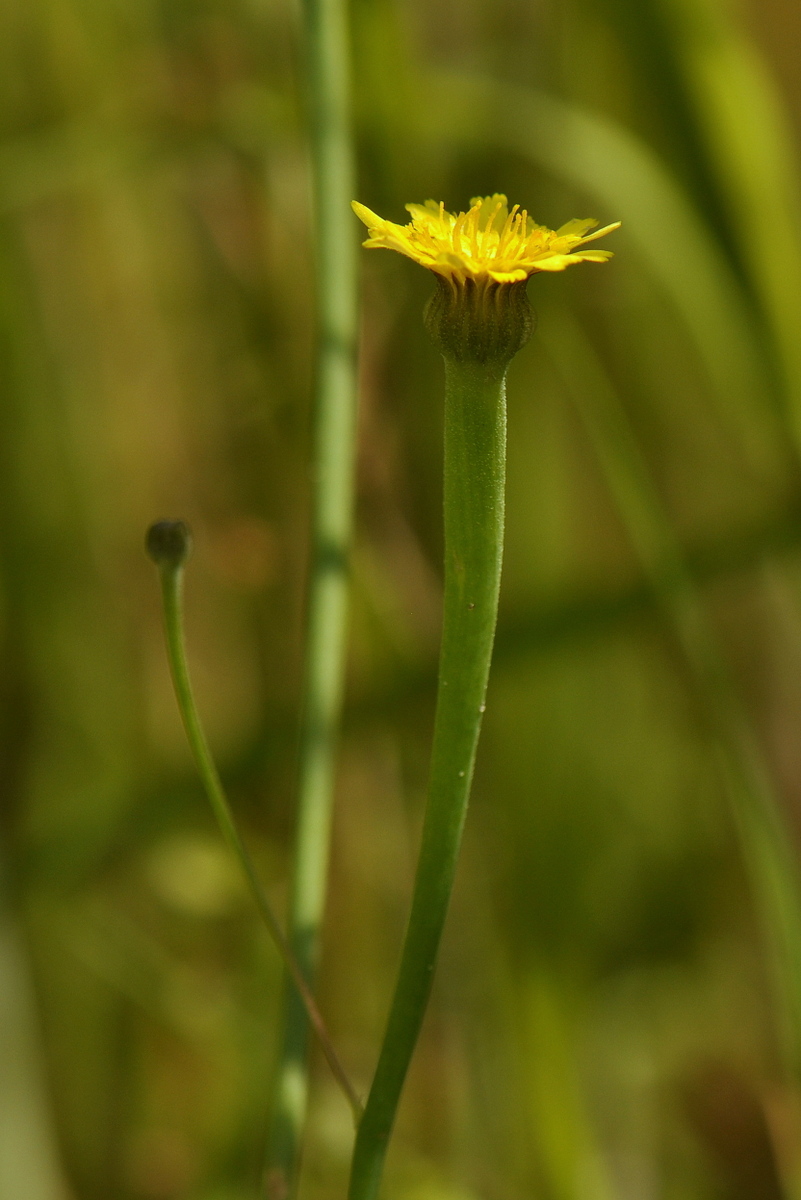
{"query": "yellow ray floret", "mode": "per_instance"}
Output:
(489, 242)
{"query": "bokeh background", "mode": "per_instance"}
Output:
(616, 1012)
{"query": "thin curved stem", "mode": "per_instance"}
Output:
(475, 466)
(328, 72)
(172, 597)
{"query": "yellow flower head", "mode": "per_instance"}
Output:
(489, 243)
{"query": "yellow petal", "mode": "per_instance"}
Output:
(554, 262)
(513, 275)
(602, 232)
(577, 228)
(370, 219)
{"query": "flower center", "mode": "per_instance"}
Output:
(475, 235)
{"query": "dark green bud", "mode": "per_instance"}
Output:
(480, 321)
(169, 543)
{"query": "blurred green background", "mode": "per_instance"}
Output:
(617, 1006)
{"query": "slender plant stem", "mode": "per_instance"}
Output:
(475, 467)
(172, 595)
(328, 72)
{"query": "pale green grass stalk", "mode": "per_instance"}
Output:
(168, 544)
(328, 72)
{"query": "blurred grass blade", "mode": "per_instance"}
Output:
(629, 182)
(29, 1166)
(751, 146)
(561, 1127)
(765, 840)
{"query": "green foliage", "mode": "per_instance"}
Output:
(611, 1013)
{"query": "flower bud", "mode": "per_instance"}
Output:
(169, 543)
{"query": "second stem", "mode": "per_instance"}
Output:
(474, 481)
(326, 29)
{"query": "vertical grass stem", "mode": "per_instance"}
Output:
(328, 70)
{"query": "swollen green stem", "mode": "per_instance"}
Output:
(475, 467)
(163, 540)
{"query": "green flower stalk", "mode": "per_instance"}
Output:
(479, 317)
